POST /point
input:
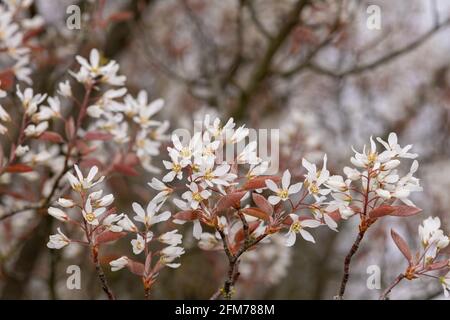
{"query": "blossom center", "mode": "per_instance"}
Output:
(90, 217)
(197, 196)
(283, 194)
(296, 227)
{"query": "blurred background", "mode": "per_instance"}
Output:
(317, 70)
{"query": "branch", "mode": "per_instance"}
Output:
(382, 60)
(388, 290)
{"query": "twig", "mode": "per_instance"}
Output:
(388, 290)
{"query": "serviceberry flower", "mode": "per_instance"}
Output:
(298, 226)
(80, 183)
(149, 216)
(119, 264)
(58, 241)
(283, 193)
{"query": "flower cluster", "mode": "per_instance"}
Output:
(92, 214)
(429, 260)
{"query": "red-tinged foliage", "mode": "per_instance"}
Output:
(405, 211)
(186, 215)
(231, 200)
(97, 135)
(84, 148)
(90, 162)
(438, 265)
(125, 169)
(402, 246)
(381, 211)
(395, 211)
(257, 213)
(109, 236)
(18, 168)
(131, 159)
(136, 267)
(240, 235)
(259, 182)
(51, 136)
(7, 79)
(262, 203)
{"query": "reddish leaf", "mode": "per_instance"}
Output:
(136, 267)
(51, 136)
(18, 168)
(70, 128)
(262, 203)
(97, 135)
(126, 170)
(7, 79)
(109, 236)
(402, 245)
(259, 182)
(186, 215)
(335, 215)
(239, 236)
(131, 159)
(231, 200)
(83, 147)
(148, 264)
(438, 265)
(90, 162)
(257, 213)
(405, 211)
(381, 211)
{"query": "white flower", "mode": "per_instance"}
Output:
(35, 131)
(21, 150)
(175, 168)
(210, 175)
(58, 241)
(112, 222)
(149, 217)
(298, 226)
(352, 173)
(118, 264)
(314, 178)
(146, 111)
(65, 89)
(171, 238)
(48, 112)
(4, 116)
(283, 193)
(58, 214)
(209, 241)
(195, 196)
(90, 214)
(30, 102)
(168, 254)
(185, 152)
(164, 191)
(127, 224)
(248, 155)
(392, 145)
(80, 183)
(216, 128)
(138, 244)
(429, 227)
(371, 159)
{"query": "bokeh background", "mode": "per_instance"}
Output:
(314, 70)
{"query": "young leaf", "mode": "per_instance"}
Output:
(136, 267)
(381, 211)
(18, 168)
(405, 211)
(262, 203)
(259, 182)
(256, 212)
(186, 215)
(97, 135)
(402, 246)
(70, 128)
(109, 236)
(126, 170)
(51, 136)
(231, 200)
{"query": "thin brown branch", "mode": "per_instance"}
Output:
(385, 294)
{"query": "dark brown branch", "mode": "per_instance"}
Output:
(262, 70)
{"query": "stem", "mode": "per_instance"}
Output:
(347, 262)
(147, 293)
(101, 274)
(397, 280)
